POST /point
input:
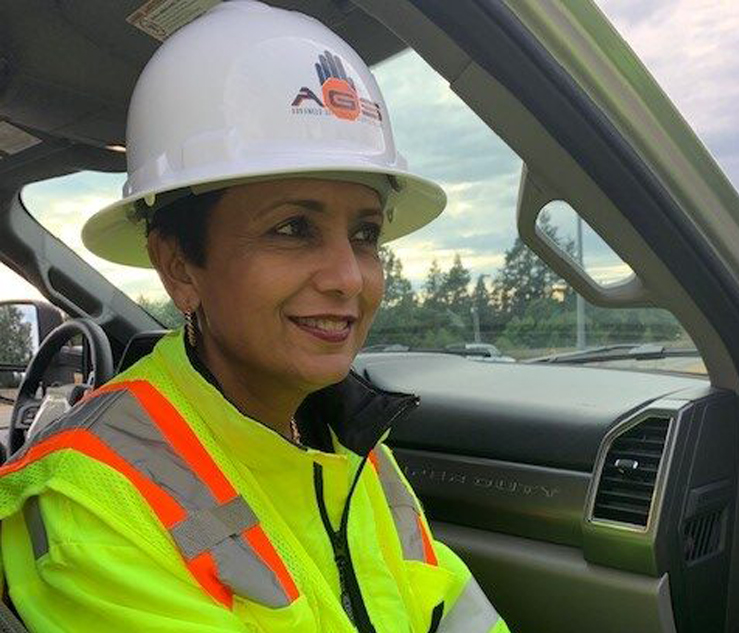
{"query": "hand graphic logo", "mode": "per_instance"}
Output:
(339, 93)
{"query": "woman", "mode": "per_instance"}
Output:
(234, 479)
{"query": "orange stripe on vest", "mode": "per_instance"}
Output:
(256, 537)
(181, 437)
(428, 550)
(165, 507)
(179, 434)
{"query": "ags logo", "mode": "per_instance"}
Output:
(339, 93)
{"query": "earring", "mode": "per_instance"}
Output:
(190, 324)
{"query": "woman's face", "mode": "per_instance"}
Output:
(292, 278)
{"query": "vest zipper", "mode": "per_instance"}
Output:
(351, 595)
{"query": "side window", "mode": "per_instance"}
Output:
(62, 206)
(18, 336)
(466, 283)
(25, 319)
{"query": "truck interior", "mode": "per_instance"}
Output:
(582, 498)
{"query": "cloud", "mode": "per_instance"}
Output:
(609, 273)
(63, 205)
(690, 47)
(633, 11)
(599, 259)
(439, 135)
(445, 141)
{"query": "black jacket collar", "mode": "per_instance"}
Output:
(357, 411)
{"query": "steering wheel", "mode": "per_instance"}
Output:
(97, 366)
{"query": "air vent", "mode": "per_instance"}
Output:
(702, 535)
(629, 474)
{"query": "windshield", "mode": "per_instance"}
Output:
(465, 283)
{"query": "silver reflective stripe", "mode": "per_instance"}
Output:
(471, 613)
(204, 529)
(137, 439)
(133, 435)
(119, 420)
(35, 526)
(403, 507)
(218, 531)
(247, 575)
(82, 415)
(406, 524)
(396, 492)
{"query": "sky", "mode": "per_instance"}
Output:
(690, 46)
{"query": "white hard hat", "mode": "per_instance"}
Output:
(250, 92)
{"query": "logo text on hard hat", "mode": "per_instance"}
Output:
(339, 92)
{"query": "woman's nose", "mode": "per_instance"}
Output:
(338, 269)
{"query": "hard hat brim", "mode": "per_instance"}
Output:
(115, 234)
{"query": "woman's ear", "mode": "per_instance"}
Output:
(174, 270)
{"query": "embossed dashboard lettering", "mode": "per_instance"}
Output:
(501, 484)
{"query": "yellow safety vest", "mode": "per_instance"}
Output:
(240, 532)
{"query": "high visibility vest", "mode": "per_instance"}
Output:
(135, 431)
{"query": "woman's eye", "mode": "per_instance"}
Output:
(294, 227)
(368, 233)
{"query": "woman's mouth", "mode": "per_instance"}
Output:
(331, 328)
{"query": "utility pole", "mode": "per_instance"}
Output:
(581, 342)
(476, 323)
(476, 316)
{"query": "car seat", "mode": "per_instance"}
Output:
(9, 623)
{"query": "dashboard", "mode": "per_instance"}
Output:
(629, 471)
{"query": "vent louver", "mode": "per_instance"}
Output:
(629, 474)
(702, 535)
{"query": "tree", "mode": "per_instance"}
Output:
(544, 324)
(454, 302)
(396, 320)
(481, 301)
(163, 310)
(547, 325)
(631, 325)
(519, 312)
(398, 289)
(448, 289)
(16, 342)
(442, 318)
(433, 285)
(455, 286)
(524, 277)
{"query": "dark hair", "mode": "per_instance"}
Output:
(185, 219)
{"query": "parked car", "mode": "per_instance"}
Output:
(481, 351)
(584, 498)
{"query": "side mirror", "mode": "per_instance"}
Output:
(23, 325)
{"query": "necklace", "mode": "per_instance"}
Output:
(294, 431)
